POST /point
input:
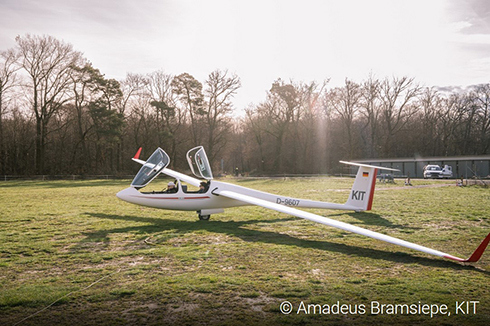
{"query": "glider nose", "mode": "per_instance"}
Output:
(126, 194)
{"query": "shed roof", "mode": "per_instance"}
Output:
(426, 159)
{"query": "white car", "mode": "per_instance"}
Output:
(436, 172)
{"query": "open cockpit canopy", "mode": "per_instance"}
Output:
(150, 170)
(199, 164)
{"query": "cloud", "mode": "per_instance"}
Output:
(474, 15)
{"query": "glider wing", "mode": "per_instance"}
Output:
(351, 228)
(177, 175)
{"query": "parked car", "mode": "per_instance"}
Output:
(436, 172)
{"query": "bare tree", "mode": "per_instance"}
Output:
(278, 111)
(170, 117)
(305, 126)
(141, 121)
(8, 80)
(49, 63)
(370, 104)
(397, 109)
(220, 89)
(481, 97)
(449, 123)
(464, 123)
(83, 79)
(345, 101)
(426, 122)
(189, 92)
(108, 123)
(134, 85)
(254, 124)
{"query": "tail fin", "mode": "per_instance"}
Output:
(362, 192)
(136, 157)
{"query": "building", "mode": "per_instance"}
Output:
(463, 166)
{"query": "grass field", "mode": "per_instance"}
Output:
(73, 254)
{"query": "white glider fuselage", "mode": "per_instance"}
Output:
(181, 201)
(210, 200)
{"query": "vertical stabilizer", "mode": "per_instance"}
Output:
(362, 192)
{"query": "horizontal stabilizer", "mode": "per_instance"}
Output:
(139, 161)
(369, 166)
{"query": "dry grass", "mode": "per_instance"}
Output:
(112, 263)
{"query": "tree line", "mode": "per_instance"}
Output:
(60, 115)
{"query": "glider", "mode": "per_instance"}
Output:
(214, 196)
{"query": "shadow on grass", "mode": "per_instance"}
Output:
(236, 229)
(369, 218)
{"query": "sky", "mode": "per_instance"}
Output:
(441, 43)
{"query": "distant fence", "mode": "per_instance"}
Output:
(476, 182)
(65, 177)
(48, 177)
(131, 176)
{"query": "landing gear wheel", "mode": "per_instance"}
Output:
(204, 217)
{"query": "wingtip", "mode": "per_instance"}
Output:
(137, 156)
(476, 254)
(479, 251)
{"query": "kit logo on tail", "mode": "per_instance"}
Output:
(358, 195)
(362, 192)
